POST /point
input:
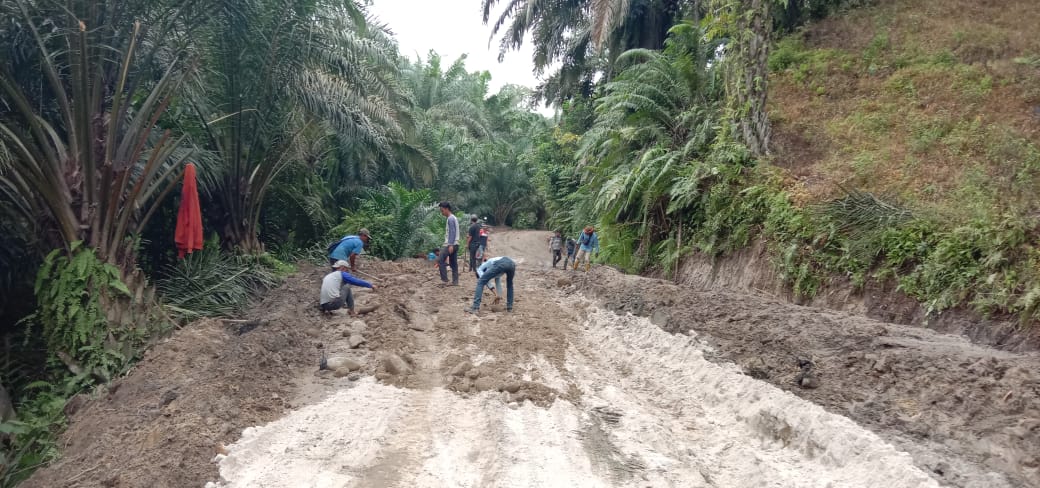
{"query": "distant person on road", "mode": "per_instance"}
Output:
(494, 268)
(588, 243)
(473, 243)
(484, 231)
(572, 248)
(348, 248)
(335, 289)
(556, 247)
(449, 252)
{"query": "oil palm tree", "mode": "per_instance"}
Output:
(80, 101)
(291, 81)
(645, 156)
(582, 37)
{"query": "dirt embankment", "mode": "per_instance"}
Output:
(750, 271)
(193, 392)
(954, 405)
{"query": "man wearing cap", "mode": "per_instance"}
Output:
(588, 243)
(335, 289)
(349, 247)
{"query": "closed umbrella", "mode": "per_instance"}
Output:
(188, 235)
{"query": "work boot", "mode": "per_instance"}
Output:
(587, 266)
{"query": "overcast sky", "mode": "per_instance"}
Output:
(453, 28)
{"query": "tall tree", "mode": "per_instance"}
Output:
(747, 24)
(582, 37)
(290, 80)
(647, 154)
(80, 155)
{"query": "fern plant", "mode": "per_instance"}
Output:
(74, 291)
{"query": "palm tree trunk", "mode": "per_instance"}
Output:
(755, 27)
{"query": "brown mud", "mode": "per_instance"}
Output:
(952, 404)
(966, 413)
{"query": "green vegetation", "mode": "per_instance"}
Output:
(915, 165)
(292, 111)
(898, 145)
(209, 283)
(405, 222)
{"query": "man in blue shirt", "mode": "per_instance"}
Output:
(335, 289)
(493, 269)
(588, 243)
(349, 247)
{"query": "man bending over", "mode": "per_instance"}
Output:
(492, 269)
(335, 289)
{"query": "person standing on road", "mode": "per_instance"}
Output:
(494, 268)
(449, 252)
(473, 243)
(335, 289)
(556, 247)
(482, 249)
(349, 247)
(572, 248)
(588, 243)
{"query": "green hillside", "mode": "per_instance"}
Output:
(934, 108)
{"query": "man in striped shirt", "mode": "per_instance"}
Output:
(449, 253)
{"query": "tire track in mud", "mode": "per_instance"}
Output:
(601, 400)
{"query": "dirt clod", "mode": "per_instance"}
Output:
(355, 341)
(461, 368)
(394, 364)
(484, 384)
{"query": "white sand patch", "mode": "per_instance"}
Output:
(683, 417)
(654, 413)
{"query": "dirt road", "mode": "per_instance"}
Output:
(595, 379)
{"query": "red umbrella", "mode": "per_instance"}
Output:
(189, 218)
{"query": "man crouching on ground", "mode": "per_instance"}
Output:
(492, 269)
(335, 289)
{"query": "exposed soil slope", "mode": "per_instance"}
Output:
(562, 392)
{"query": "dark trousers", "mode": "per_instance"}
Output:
(451, 259)
(569, 257)
(502, 266)
(345, 298)
(557, 256)
(473, 262)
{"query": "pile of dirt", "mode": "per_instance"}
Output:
(191, 394)
(938, 396)
(197, 390)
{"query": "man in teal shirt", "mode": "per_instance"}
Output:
(349, 247)
(588, 243)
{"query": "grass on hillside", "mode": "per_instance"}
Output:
(906, 148)
(936, 104)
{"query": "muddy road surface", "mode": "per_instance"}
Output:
(595, 379)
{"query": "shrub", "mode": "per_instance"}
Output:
(401, 221)
(210, 283)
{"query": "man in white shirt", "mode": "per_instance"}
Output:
(494, 268)
(335, 289)
(450, 251)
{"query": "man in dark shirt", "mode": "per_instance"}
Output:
(473, 243)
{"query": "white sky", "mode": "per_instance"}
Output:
(453, 28)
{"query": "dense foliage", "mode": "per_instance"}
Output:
(307, 124)
(296, 113)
